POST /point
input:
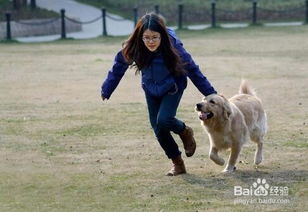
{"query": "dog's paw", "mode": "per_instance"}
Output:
(218, 160)
(229, 169)
(258, 159)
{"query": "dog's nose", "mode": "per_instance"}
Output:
(199, 106)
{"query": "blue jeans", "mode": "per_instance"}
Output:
(162, 111)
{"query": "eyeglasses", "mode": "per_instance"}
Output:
(148, 39)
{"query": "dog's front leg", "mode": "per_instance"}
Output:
(214, 156)
(235, 151)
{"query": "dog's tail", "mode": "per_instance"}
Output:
(246, 89)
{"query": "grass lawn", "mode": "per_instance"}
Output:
(63, 149)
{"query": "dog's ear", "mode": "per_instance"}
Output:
(226, 108)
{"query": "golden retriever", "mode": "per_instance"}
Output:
(230, 123)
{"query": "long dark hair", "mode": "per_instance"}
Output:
(135, 52)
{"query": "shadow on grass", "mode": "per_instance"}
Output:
(275, 176)
(221, 181)
(218, 182)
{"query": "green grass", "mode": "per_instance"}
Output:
(63, 149)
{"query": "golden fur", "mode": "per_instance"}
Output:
(230, 123)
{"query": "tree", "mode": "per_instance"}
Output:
(17, 4)
(33, 4)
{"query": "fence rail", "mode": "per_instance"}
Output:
(214, 14)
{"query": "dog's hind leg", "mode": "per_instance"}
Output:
(214, 156)
(257, 136)
(259, 151)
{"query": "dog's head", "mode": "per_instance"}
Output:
(213, 107)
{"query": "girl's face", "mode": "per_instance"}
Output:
(151, 40)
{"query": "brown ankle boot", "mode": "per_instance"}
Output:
(189, 142)
(178, 167)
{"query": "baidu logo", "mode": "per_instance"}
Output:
(258, 188)
(261, 192)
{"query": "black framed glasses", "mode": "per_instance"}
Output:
(148, 39)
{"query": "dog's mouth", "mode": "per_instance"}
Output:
(205, 115)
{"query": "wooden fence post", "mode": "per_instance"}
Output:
(104, 21)
(254, 12)
(213, 13)
(135, 16)
(63, 29)
(156, 7)
(306, 21)
(8, 26)
(180, 16)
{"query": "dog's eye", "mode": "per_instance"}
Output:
(212, 101)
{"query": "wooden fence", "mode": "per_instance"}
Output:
(213, 13)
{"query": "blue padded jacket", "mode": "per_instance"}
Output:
(193, 72)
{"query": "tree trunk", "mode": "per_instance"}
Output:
(24, 3)
(17, 4)
(33, 4)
